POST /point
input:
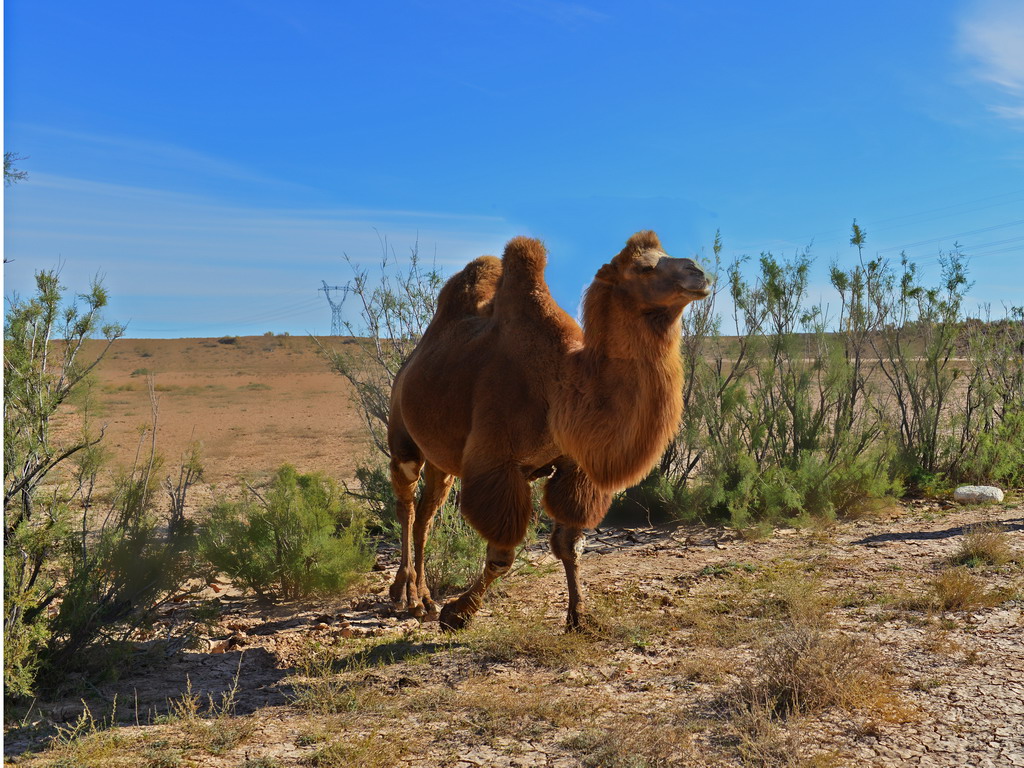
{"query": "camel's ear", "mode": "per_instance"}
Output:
(607, 274)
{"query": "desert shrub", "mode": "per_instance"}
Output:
(986, 442)
(118, 573)
(777, 424)
(806, 415)
(454, 553)
(81, 575)
(298, 537)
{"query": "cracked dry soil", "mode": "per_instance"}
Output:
(515, 691)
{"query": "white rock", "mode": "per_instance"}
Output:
(969, 494)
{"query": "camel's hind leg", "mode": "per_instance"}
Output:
(437, 484)
(404, 477)
(409, 591)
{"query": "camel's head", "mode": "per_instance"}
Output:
(653, 278)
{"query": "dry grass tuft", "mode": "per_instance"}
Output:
(762, 741)
(496, 707)
(89, 742)
(806, 668)
(804, 663)
(956, 589)
(640, 742)
(985, 545)
(526, 633)
(325, 686)
(611, 622)
(733, 609)
(368, 751)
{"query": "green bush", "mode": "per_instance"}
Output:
(454, 553)
(302, 536)
(805, 414)
(81, 574)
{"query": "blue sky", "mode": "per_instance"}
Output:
(215, 160)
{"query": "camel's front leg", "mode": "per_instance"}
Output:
(567, 546)
(496, 502)
(575, 503)
(457, 613)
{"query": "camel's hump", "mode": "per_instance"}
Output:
(525, 257)
(471, 290)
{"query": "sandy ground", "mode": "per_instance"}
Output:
(252, 404)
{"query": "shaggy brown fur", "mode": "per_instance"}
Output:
(505, 387)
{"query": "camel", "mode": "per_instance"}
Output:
(505, 388)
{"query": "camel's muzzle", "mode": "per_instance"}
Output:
(687, 275)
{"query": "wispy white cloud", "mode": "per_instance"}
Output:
(991, 36)
(150, 153)
(180, 261)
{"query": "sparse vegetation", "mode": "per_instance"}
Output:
(956, 589)
(804, 415)
(81, 575)
(372, 751)
(454, 552)
(295, 537)
(728, 656)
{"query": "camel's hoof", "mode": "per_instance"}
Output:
(575, 622)
(431, 610)
(451, 620)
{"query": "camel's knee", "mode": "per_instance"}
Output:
(571, 499)
(567, 543)
(405, 474)
(457, 613)
(497, 504)
(499, 561)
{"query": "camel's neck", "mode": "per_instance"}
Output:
(623, 395)
(615, 328)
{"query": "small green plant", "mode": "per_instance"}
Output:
(297, 537)
(454, 553)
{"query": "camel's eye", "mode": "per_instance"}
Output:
(645, 268)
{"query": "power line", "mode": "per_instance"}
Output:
(932, 241)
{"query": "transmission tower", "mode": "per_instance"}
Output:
(337, 325)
